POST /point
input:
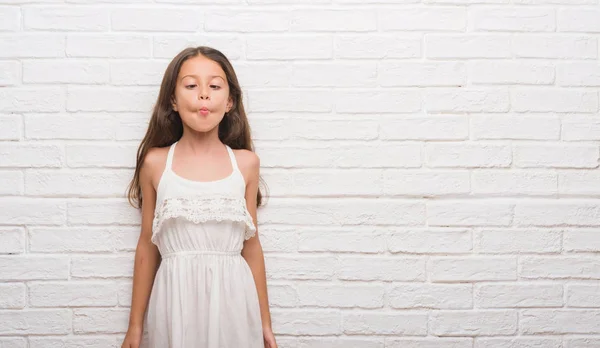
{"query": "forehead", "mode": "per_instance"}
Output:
(201, 66)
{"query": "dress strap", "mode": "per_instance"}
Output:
(169, 164)
(232, 158)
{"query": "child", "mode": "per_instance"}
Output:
(198, 200)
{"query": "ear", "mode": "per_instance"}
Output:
(173, 104)
(229, 104)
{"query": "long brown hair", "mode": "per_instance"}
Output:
(166, 127)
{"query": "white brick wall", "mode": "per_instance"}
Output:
(432, 165)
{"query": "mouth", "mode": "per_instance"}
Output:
(204, 111)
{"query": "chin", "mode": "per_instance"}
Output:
(203, 128)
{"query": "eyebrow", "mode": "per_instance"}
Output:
(212, 76)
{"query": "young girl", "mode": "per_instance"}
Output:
(199, 266)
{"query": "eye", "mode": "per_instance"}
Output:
(216, 87)
(190, 86)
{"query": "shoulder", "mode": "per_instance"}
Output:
(248, 162)
(154, 164)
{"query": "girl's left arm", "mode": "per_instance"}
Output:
(252, 250)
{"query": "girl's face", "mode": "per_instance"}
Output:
(201, 94)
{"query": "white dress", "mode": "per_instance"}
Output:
(204, 294)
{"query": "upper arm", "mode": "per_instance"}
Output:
(148, 171)
(251, 170)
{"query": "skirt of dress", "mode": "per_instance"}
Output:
(204, 293)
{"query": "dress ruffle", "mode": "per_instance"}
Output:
(202, 209)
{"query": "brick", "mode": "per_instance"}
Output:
(100, 266)
(499, 72)
(378, 101)
(381, 268)
(583, 342)
(560, 267)
(167, 46)
(557, 100)
(517, 182)
(108, 46)
(232, 20)
(73, 341)
(82, 183)
(65, 71)
(72, 294)
(368, 323)
(583, 295)
(288, 100)
(519, 19)
(458, 100)
(33, 268)
(429, 241)
(295, 46)
(421, 127)
(425, 183)
(556, 156)
(306, 322)
(423, 19)
(300, 267)
(156, 19)
(22, 211)
(515, 127)
(342, 296)
(13, 240)
(292, 128)
(362, 241)
(518, 342)
(282, 295)
(101, 155)
(13, 183)
(578, 182)
(578, 74)
(579, 20)
(122, 99)
(467, 46)
(35, 322)
(10, 18)
(137, 73)
(469, 213)
(334, 75)
(81, 126)
(585, 240)
(519, 241)
(473, 323)
(468, 269)
(12, 296)
(97, 320)
(32, 99)
(555, 47)
(559, 321)
(10, 73)
(518, 295)
(31, 45)
(347, 46)
(333, 211)
(430, 342)
(101, 212)
(66, 18)
(418, 74)
(557, 213)
(437, 296)
(315, 20)
(73, 239)
(268, 74)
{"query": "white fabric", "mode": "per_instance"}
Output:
(204, 294)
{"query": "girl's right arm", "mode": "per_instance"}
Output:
(147, 258)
